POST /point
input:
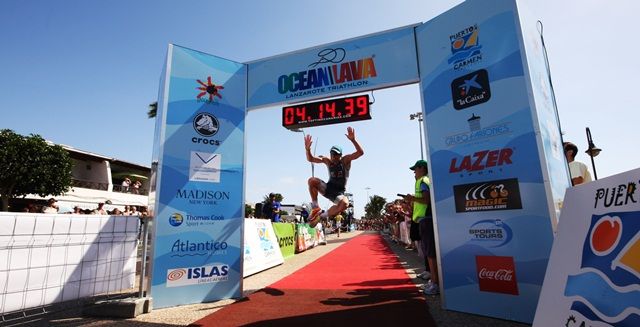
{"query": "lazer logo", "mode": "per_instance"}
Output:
(481, 160)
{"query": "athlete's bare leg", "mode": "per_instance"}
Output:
(339, 207)
(314, 187)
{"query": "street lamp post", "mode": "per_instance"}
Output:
(418, 116)
(592, 151)
(367, 188)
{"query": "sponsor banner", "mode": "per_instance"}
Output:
(501, 194)
(486, 166)
(197, 180)
(308, 237)
(286, 234)
(593, 278)
(261, 249)
(370, 62)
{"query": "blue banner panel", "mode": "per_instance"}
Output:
(199, 178)
(370, 62)
(490, 197)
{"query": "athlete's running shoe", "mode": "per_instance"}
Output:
(314, 217)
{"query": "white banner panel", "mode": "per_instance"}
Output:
(261, 249)
(593, 277)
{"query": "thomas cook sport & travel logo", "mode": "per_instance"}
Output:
(471, 89)
(606, 288)
(328, 74)
(501, 194)
(209, 91)
(176, 219)
(465, 48)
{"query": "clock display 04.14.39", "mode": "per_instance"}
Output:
(326, 112)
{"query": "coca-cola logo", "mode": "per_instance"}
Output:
(500, 274)
(496, 274)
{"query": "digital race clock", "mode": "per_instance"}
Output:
(326, 112)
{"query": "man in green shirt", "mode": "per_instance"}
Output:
(422, 215)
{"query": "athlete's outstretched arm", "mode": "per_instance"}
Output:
(351, 135)
(307, 147)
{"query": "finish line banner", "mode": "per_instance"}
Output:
(197, 180)
(593, 277)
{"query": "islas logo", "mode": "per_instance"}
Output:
(334, 77)
(209, 91)
(496, 274)
(481, 160)
(197, 275)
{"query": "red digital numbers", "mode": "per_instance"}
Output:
(326, 112)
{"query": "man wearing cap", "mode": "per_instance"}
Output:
(334, 189)
(423, 217)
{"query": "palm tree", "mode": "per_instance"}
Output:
(373, 209)
(153, 110)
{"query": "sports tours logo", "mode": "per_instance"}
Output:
(607, 286)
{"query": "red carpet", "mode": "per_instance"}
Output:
(358, 283)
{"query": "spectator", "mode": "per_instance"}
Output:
(422, 215)
(275, 209)
(116, 212)
(77, 210)
(100, 209)
(267, 206)
(125, 184)
(136, 187)
(51, 206)
(338, 219)
(578, 170)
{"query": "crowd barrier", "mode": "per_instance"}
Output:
(52, 258)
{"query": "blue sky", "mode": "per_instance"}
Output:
(82, 73)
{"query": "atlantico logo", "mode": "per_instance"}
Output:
(176, 219)
(471, 89)
(465, 48)
(487, 196)
(209, 91)
(328, 78)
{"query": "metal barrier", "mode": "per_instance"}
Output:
(51, 262)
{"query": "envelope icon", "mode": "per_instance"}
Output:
(205, 167)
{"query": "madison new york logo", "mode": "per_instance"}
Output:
(471, 89)
(209, 91)
(501, 194)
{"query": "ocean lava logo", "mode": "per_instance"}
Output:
(606, 288)
(176, 219)
(209, 91)
(336, 76)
